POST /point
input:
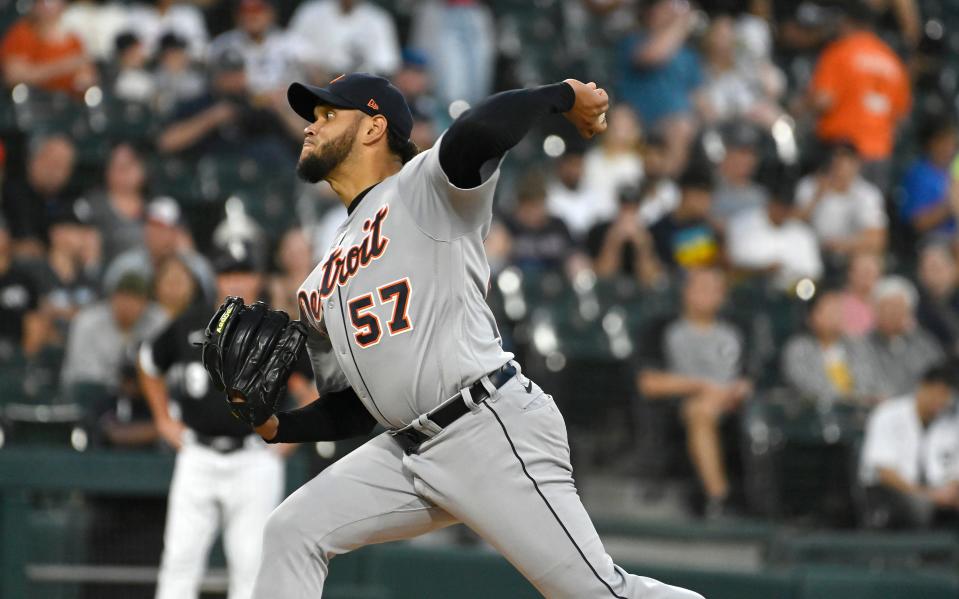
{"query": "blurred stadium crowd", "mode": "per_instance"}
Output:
(759, 255)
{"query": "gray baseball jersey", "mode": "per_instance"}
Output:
(397, 307)
(397, 310)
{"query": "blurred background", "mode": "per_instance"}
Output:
(744, 296)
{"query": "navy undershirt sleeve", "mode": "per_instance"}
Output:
(335, 416)
(489, 129)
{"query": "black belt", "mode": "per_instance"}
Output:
(410, 439)
(222, 443)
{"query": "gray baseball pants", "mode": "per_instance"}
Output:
(503, 470)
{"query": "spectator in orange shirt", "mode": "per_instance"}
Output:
(860, 89)
(39, 52)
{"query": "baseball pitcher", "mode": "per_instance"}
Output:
(399, 333)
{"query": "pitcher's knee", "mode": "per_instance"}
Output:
(283, 530)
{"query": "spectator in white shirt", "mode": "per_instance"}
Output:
(772, 240)
(846, 211)
(907, 463)
(567, 195)
(738, 83)
(615, 162)
(347, 35)
(271, 55)
(659, 194)
(131, 80)
(150, 22)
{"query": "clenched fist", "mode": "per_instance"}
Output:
(588, 114)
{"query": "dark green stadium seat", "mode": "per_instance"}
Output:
(857, 583)
(891, 550)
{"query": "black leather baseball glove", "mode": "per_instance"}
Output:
(250, 352)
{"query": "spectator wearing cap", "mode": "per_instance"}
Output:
(151, 21)
(846, 211)
(344, 36)
(622, 246)
(737, 192)
(615, 162)
(130, 79)
(822, 363)
(102, 333)
(685, 238)
(737, 84)
(39, 52)
(659, 75)
(460, 38)
(227, 122)
(930, 199)
(567, 195)
(271, 56)
(899, 349)
(860, 90)
(67, 278)
(658, 192)
(909, 463)
(163, 236)
(416, 84)
(118, 210)
(22, 326)
(28, 202)
(178, 78)
(938, 310)
(529, 237)
(770, 240)
(696, 359)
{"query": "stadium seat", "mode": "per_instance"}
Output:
(888, 550)
(857, 583)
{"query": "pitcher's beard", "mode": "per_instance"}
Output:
(317, 166)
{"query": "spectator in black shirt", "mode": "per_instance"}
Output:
(938, 310)
(67, 279)
(28, 203)
(685, 238)
(530, 237)
(21, 325)
(622, 246)
(227, 122)
(697, 358)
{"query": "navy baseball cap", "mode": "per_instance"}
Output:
(357, 91)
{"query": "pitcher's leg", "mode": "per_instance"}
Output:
(365, 498)
(520, 497)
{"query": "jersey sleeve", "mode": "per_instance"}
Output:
(441, 209)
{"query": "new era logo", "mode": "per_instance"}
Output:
(372, 104)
